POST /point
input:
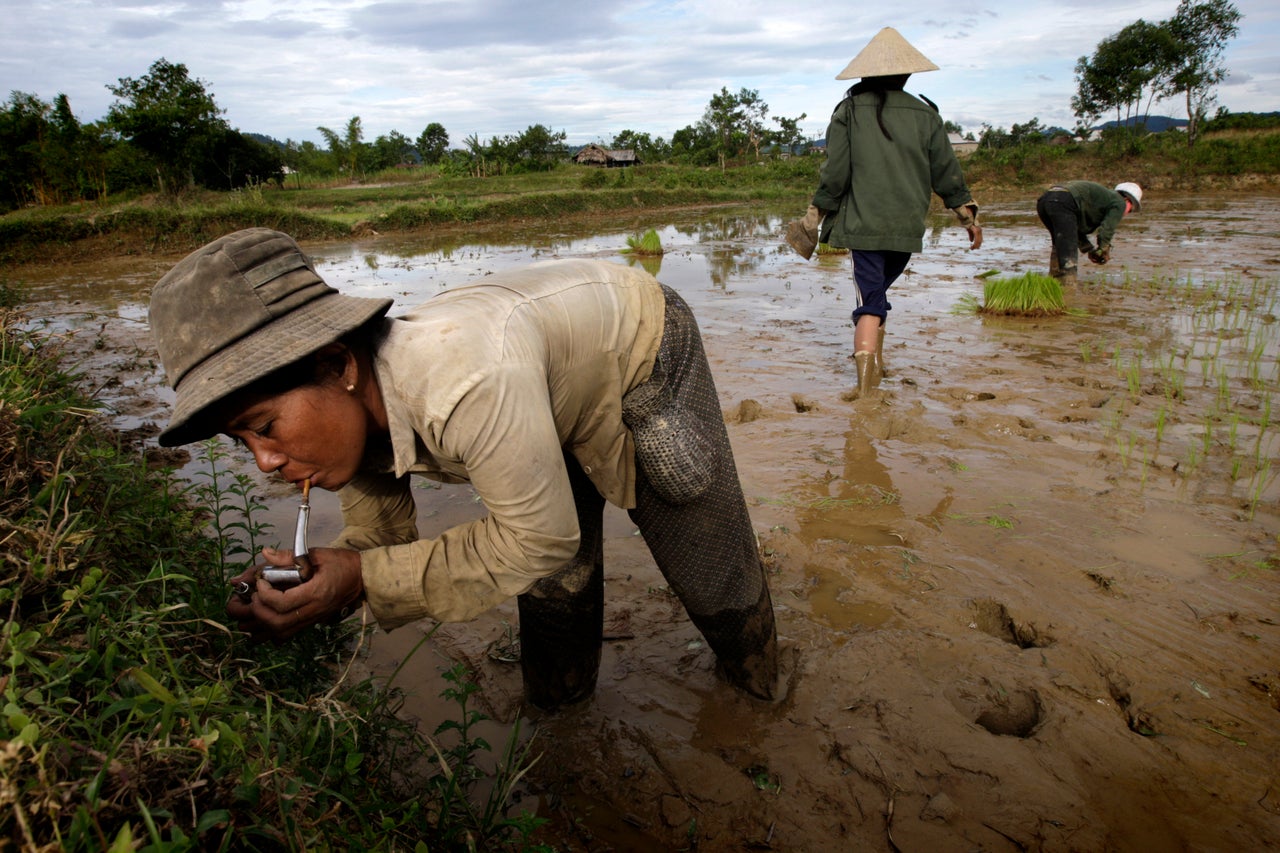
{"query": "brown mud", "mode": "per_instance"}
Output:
(1028, 595)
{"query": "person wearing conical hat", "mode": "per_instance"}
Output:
(1073, 211)
(887, 152)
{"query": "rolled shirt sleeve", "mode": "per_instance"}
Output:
(504, 430)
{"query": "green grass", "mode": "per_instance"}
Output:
(1156, 160)
(315, 208)
(393, 201)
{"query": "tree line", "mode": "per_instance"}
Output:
(165, 132)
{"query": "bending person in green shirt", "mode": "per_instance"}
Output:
(1075, 210)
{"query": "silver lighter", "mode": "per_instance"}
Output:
(280, 576)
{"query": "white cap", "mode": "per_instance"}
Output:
(1133, 191)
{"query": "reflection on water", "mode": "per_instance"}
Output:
(858, 507)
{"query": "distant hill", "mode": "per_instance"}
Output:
(1155, 124)
(265, 140)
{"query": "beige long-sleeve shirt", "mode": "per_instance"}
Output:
(491, 383)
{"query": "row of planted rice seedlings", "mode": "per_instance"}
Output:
(1215, 383)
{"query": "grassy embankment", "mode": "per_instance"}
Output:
(406, 200)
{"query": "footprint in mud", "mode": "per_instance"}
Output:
(1014, 712)
(993, 618)
(803, 404)
(966, 396)
(1139, 721)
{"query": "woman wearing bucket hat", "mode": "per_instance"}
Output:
(551, 388)
(887, 152)
(1075, 210)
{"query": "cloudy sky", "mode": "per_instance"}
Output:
(590, 69)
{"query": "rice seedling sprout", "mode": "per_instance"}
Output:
(1028, 295)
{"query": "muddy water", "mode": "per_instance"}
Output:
(1029, 598)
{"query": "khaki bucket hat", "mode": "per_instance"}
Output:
(887, 54)
(238, 309)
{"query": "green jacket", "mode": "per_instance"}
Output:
(880, 189)
(1098, 208)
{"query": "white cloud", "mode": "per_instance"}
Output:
(494, 67)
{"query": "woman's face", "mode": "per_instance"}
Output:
(315, 431)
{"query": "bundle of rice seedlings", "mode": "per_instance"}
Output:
(648, 244)
(828, 249)
(1029, 295)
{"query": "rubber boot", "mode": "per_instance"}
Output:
(1066, 275)
(880, 352)
(868, 372)
(560, 638)
(562, 616)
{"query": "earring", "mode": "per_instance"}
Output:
(351, 389)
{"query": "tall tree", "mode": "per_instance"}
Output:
(538, 149)
(1125, 69)
(432, 143)
(23, 127)
(754, 111)
(1200, 32)
(61, 157)
(346, 149)
(725, 115)
(170, 117)
(391, 150)
(648, 149)
(695, 144)
(788, 133)
(235, 160)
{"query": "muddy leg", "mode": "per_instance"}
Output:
(562, 616)
(746, 645)
(705, 545)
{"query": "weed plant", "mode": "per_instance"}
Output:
(134, 717)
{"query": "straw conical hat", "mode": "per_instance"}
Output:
(886, 54)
